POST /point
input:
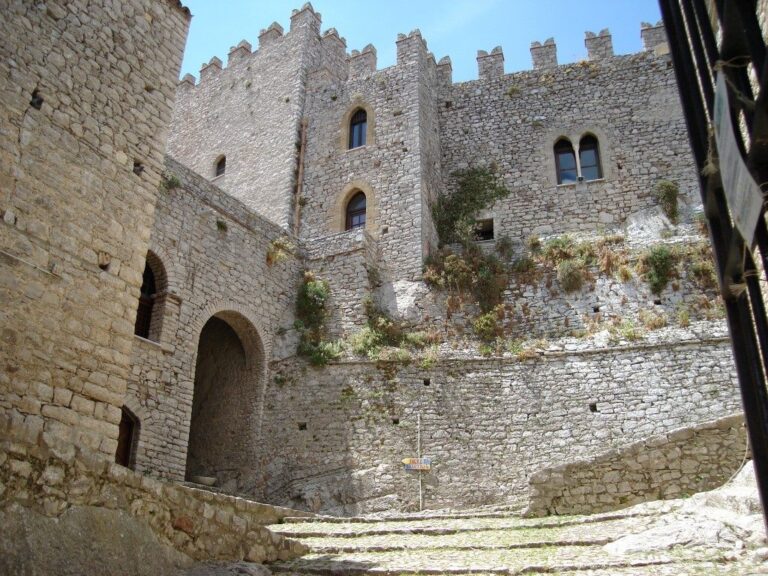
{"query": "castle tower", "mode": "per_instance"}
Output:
(239, 126)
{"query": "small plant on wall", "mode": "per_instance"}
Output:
(667, 192)
(279, 250)
(657, 266)
(311, 316)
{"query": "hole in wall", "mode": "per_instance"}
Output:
(37, 101)
(396, 421)
(595, 309)
(427, 382)
(302, 425)
(593, 407)
(657, 302)
(384, 229)
(138, 167)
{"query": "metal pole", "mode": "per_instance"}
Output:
(418, 454)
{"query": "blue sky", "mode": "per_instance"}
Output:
(455, 28)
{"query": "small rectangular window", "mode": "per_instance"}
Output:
(484, 230)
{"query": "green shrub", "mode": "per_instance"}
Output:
(533, 243)
(558, 249)
(472, 271)
(311, 315)
(322, 352)
(311, 302)
(489, 326)
(666, 193)
(366, 342)
(454, 215)
(571, 274)
(659, 264)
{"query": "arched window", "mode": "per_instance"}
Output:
(126, 440)
(565, 162)
(149, 315)
(356, 212)
(589, 158)
(221, 166)
(358, 126)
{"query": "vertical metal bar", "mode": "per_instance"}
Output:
(745, 312)
(704, 72)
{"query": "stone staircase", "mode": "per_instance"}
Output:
(497, 543)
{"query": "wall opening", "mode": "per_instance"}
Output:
(127, 438)
(222, 432)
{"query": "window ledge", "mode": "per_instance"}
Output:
(356, 148)
(217, 178)
(573, 184)
(165, 348)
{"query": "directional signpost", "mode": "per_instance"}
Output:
(424, 464)
(418, 464)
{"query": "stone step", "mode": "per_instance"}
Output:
(460, 563)
(434, 527)
(329, 549)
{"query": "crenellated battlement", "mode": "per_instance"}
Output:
(356, 64)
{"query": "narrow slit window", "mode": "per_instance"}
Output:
(146, 303)
(221, 166)
(565, 162)
(126, 440)
(358, 126)
(589, 158)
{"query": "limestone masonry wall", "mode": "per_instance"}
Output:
(630, 103)
(86, 92)
(679, 463)
(53, 478)
(215, 251)
(337, 435)
(388, 169)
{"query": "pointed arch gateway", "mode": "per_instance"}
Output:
(225, 403)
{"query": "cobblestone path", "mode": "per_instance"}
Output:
(496, 544)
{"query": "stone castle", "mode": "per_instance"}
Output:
(152, 300)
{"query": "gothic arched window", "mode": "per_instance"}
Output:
(565, 162)
(589, 158)
(356, 212)
(358, 125)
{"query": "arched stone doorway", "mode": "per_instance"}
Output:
(224, 420)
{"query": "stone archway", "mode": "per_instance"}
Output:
(228, 374)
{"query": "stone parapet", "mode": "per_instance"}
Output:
(672, 465)
(51, 477)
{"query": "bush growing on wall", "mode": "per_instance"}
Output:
(658, 264)
(454, 215)
(666, 193)
(311, 315)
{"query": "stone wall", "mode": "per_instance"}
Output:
(348, 261)
(55, 479)
(85, 99)
(511, 122)
(338, 435)
(676, 464)
(250, 111)
(389, 169)
(214, 252)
